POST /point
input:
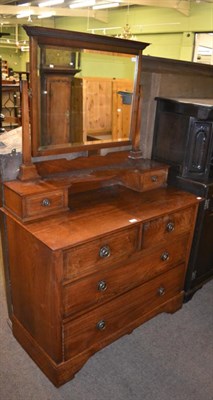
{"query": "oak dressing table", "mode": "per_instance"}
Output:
(97, 244)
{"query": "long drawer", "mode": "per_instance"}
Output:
(99, 253)
(108, 283)
(88, 331)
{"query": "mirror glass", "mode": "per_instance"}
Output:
(85, 96)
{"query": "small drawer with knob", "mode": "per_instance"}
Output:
(155, 179)
(97, 254)
(33, 200)
(167, 226)
(106, 323)
(45, 203)
(144, 180)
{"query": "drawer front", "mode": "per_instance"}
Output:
(154, 179)
(105, 285)
(99, 253)
(145, 180)
(114, 318)
(44, 204)
(166, 227)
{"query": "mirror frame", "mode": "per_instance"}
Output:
(63, 38)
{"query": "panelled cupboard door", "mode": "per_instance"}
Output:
(121, 110)
(97, 106)
(59, 111)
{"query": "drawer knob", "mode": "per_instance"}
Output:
(164, 256)
(161, 291)
(154, 178)
(101, 325)
(102, 286)
(170, 226)
(104, 252)
(45, 203)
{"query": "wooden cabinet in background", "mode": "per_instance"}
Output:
(4, 67)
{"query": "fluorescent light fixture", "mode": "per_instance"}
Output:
(106, 5)
(24, 5)
(46, 15)
(82, 4)
(24, 48)
(24, 14)
(50, 3)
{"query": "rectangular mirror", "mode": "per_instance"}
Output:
(83, 90)
(85, 96)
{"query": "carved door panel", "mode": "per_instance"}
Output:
(198, 154)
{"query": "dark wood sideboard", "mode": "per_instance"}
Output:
(183, 138)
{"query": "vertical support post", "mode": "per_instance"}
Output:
(27, 169)
(136, 111)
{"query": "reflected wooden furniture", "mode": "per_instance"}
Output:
(84, 109)
(11, 105)
(106, 242)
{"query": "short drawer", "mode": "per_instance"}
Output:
(145, 180)
(154, 179)
(44, 204)
(106, 284)
(105, 251)
(168, 226)
(115, 318)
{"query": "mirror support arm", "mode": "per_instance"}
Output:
(136, 115)
(27, 169)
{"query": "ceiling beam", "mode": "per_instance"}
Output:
(182, 6)
(58, 12)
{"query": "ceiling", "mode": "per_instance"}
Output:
(9, 9)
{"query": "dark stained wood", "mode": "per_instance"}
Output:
(183, 137)
(90, 41)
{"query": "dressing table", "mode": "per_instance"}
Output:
(97, 244)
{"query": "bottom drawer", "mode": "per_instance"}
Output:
(96, 326)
